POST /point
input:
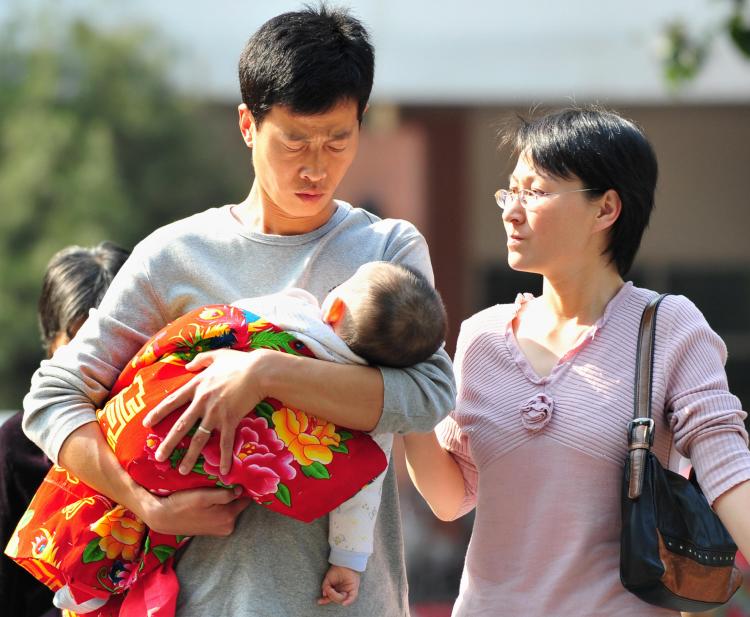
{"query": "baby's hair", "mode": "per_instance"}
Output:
(401, 322)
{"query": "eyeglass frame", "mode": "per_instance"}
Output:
(518, 194)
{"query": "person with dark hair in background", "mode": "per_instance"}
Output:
(74, 282)
(305, 78)
(538, 439)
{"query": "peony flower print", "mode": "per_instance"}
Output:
(260, 460)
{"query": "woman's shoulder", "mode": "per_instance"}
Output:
(490, 315)
(680, 324)
(633, 300)
(678, 310)
(493, 319)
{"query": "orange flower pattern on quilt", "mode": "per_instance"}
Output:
(121, 532)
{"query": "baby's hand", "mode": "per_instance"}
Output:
(340, 585)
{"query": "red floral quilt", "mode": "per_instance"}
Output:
(284, 459)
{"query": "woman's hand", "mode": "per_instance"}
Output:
(226, 389)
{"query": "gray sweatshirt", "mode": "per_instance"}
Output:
(271, 565)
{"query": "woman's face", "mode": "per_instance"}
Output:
(556, 234)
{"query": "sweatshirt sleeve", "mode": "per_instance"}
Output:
(707, 420)
(67, 389)
(418, 397)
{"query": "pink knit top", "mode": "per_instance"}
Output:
(542, 458)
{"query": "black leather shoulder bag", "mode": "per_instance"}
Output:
(674, 550)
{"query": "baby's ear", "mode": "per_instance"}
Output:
(335, 311)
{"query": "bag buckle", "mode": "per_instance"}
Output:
(648, 437)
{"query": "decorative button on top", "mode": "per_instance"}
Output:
(537, 412)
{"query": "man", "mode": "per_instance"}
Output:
(305, 79)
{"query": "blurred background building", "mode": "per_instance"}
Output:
(118, 117)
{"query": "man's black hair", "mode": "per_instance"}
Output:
(309, 61)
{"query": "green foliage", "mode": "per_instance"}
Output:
(685, 56)
(95, 144)
(685, 53)
(739, 31)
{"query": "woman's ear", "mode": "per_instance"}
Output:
(335, 312)
(610, 206)
(247, 124)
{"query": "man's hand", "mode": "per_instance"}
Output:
(195, 512)
(340, 586)
(226, 389)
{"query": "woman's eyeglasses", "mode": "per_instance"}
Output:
(529, 198)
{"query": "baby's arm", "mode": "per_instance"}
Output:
(352, 525)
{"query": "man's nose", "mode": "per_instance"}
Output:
(314, 168)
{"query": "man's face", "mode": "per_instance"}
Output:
(299, 161)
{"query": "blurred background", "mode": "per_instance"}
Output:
(116, 118)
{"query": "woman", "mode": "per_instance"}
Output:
(74, 282)
(537, 441)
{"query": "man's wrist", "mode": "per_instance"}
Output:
(144, 505)
(268, 371)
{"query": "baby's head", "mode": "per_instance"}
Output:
(388, 314)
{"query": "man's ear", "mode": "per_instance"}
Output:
(335, 311)
(610, 207)
(247, 124)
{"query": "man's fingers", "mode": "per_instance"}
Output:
(201, 361)
(226, 442)
(226, 516)
(177, 399)
(186, 421)
(210, 496)
(237, 506)
(197, 442)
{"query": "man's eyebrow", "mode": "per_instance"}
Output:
(343, 134)
(294, 136)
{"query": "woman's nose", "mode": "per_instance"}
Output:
(514, 211)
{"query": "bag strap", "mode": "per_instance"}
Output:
(641, 427)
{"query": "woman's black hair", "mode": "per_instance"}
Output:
(605, 151)
(74, 282)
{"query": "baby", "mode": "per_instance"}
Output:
(387, 315)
